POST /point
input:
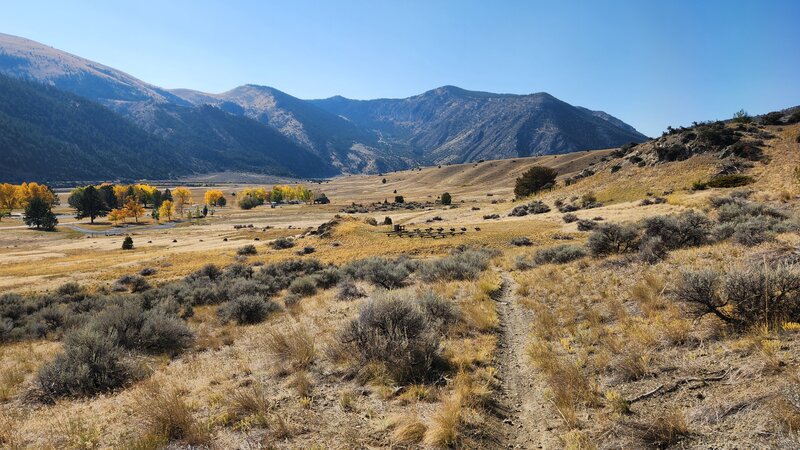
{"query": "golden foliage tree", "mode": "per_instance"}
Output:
(145, 193)
(9, 196)
(182, 197)
(134, 209)
(212, 196)
(28, 191)
(116, 215)
(167, 210)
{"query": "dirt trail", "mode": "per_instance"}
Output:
(526, 413)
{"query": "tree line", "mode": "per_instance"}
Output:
(251, 197)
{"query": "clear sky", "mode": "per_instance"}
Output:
(650, 63)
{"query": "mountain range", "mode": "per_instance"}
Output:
(138, 130)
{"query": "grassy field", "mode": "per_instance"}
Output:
(514, 350)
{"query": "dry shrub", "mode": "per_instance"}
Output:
(249, 402)
(294, 349)
(75, 432)
(408, 429)
(164, 413)
(393, 330)
(570, 387)
(9, 435)
(10, 381)
(444, 425)
(577, 440)
(666, 431)
(301, 384)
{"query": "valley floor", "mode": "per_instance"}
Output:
(594, 352)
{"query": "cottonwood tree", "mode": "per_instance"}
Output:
(167, 210)
(134, 209)
(9, 197)
(183, 197)
(534, 180)
(212, 197)
(39, 214)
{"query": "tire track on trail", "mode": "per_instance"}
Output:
(522, 405)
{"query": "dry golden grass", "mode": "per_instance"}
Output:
(293, 349)
(164, 412)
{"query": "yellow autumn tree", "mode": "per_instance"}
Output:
(259, 194)
(121, 192)
(167, 210)
(117, 215)
(9, 196)
(212, 196)
(182, 197)
(28, 191)
(145, 193)
(134, 209)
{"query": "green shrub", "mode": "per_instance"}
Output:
(446, 198)
(349, 290)
(90, 363)
(394, 332)
(304, 286)
(282, 243)
(247, 250)
(729, 181)
(127, 243)
(613, 238)
(559, 254)
(569, 218)
(248, 309)
(462, 264)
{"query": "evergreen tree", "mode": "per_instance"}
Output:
(88, 202)
(167, 195)
(109, 198)
(447, 198)
(38, 213)
(534, 180)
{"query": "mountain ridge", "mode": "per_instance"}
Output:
(447, 124)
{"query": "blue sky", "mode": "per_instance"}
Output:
(651, 64)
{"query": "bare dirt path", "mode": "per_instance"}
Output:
(521, 401)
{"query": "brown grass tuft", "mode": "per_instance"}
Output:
(293, 349)
(164, 413)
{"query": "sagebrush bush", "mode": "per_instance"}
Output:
(383, 272)
(652, 250)
(613, 238)
(247, 309)
(90, 363)
(349, 290)
(462, 264)
(559, 254)
(753, 232)
(569, 218)
(304, 286)
(522, 241)
(440, 311)
(586, 225)
(247, 250)
(328, 277)
(282, 243)
(393, 331)
(688, 229)
(746, 297)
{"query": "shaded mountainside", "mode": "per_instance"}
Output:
(450, 124)
(48, 134)
(264, 130)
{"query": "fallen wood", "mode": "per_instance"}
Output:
(660, 390)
